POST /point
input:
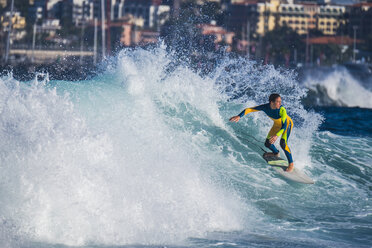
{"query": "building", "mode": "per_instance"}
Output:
(267, 16)
(36, 12)
(18, 25)
(3, 3)
(131, 36)
(302, 16)
(82, 11)
(359, 17)
(299, 17)
(145, 13)
(18, 22)
(242, 15)
(218, 35)
(330, 18)
(50, 26)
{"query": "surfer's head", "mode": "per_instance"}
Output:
(275, 101)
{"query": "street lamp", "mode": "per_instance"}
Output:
(354, 47)
(9, 32)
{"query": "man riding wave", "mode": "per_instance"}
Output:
(283, 125)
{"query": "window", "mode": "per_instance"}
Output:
(328, 24)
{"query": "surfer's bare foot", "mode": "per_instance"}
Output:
(290, 168)
(271, 154)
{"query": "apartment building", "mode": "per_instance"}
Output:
(299, 17)
(330, 18)
(266, 15)
(145, 13)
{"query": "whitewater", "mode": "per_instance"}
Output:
(143, 155)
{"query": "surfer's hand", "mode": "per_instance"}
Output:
(235, 118)
(273, 139)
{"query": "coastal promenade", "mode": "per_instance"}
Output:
(41, 55)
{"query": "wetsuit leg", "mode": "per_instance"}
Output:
(284, 143)
(274, 129)
(271, 146)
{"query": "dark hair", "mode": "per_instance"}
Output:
(273, 97)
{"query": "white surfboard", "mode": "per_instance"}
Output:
(280, 165)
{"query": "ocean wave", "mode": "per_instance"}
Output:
(142, 154)
(336, 87)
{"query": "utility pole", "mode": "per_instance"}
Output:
(9, 32)
(354, 47)
(33, 43)
(295, 56)
(108, 38)
(307, 43)
(103, 29)
(95, 42)
(82, 35)
(176, 8)
(248, 38)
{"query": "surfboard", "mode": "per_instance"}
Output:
(280, 165)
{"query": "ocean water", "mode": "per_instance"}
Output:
(143, 155)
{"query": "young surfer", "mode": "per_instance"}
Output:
(282, 126)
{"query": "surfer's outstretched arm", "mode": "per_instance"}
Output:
(246, 111)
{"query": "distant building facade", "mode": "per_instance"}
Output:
(145, 13)
(330, 18)
(266, 15)
(216, 34)
(359, 16)
(3, 3)
(18, 25)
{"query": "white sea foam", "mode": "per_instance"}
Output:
(108, 172)
(342, 87)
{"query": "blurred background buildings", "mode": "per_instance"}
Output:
(284, 32)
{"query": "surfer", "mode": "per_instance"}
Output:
(282, 126)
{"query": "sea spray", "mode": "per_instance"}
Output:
(339, 88)
(121, 178)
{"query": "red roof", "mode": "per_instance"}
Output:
(362, 4)
(338, 40)
(246, 2)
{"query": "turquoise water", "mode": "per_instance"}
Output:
(143, 155)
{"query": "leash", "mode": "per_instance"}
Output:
(253, 143)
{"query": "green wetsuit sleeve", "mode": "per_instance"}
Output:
(283, 115)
